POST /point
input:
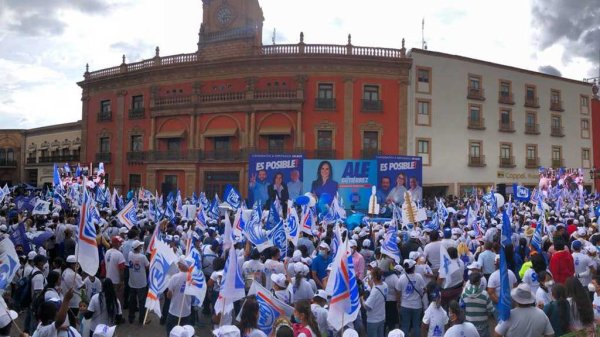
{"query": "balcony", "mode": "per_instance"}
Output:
(556, 106)
(137, 113)
(185, 155)
(532, 102)
(476, 161)
(223, 155)
(31, 160)
(557, 131)
(475, 93)
(506, 98)
(136, 156)
(532, 162)
(532, 129)
(369, 153)
(504, 126)
(369, 105)
(557, 163)
(103, 157)
(325, 104)
(104, 116)
(324, 154)
(476, 124)
(8, 163)
(507, 162)
(55, 159)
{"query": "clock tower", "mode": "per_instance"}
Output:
(230, 28)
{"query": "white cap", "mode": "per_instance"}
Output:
(3, 228)
(297, 256)
(581, 231)
(366, 243)
(353, 243)
(396, 333)
(123, 230)
(182, 331)
(474, 265)
(227, 331)
(324, 245)
(188, 262)
(31, 255)
(71, 259)
(408, 263)
(6, 316)
(321, 293)
(136, 244)
(103, 330)
(278, 279)
(350, 333)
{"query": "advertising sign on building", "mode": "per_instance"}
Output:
(398, 174)
(265, 172)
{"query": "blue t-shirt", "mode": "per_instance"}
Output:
(260, 192)
(319, 265)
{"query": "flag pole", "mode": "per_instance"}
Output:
(145, 316)
(13, 321)
(181, 308)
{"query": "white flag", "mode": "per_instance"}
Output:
(41, 207)
(158, 277)
(232, 284)
(447, 265)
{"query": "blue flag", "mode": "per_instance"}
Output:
(19, 238)
(232, 197)
(56, 177)
(278, 237)
(521, 193)
(504, 300)
(506, 229)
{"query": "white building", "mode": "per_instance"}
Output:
(477, 123)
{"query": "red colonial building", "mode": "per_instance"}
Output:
(189, 121)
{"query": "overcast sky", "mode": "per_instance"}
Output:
(45, 44)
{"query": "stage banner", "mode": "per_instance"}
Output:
(263, 169)
(351, 179)
(398, 174)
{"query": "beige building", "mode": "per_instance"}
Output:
(477, 123)
(47, 145)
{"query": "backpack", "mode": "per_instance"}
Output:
(24, 292)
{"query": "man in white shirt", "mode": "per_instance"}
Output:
(138, 282)
(71, 279)
(181, 304)
(115, 265)
(584, 266)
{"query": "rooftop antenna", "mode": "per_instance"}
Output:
(423, 42)
(274, 35)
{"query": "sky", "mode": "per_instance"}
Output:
(45, 45)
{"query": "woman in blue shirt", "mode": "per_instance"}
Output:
(324, 182)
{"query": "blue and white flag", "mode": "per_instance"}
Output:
(67, 168)
(254, 232)
(179, 202)
(201, 219)
(506, 229)
(213, 211)
(56, 181)
(278, 237)
(273, 218)
(3, 194)
(307, 220)
(232, 197)
(41, 207)
(447, 266)
(158, 276)
(10, 264)
(521, 193)
(344, 305)
(238, 222)
(504, 301)
(292, 224)
(195, 284)
(442, 211)
(389, 246)
(336, 240)
(491, 200)
(19, 238)
(232, 284)
(170, 212)
(87, 247)
(100, 169)
(269, 308)
(204, 201)
(128, 215)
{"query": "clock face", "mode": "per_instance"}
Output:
(224, 15)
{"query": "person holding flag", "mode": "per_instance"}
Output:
(525, 319)
(180, 308)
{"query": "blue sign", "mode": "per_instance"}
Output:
(399, 174)
(263, 169)
(351, 179)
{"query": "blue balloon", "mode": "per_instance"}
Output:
(354, 220)
(325, 198)
(302, 200)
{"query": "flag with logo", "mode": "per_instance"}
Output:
(213, 211)
(204, 201)
(521, 193)
(344, 305)
(201, 219)
(442, 211)
(292, 223)
(506, 229)
(254, 232)
(269, 307)
(3, 194)
(389, 246)
(158, 276)
(87, 248)
(232, 197)
(41, 207)
(19, 238)
(128, 215)
(232, 284)
(307, 220)
(447, 266)
(278, 237)
(10, 263)
(238, 222)
(227, 234)
(56, 181)
(155, 236)
(195, 284)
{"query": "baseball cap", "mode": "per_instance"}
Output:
(353, 243)
(324, 245)
(227, 331)
(278, 279)
(71, 259)
(321, 293)
(181, 331)
(576, 245)
(136, 244)
(31, 255)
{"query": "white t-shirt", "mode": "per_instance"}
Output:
(432, 252)
(391, 281)
(251, 270)
(38, 282)
(462, 330)
(216, 276)
(51, 331)
(92, 288)
(375, 303)
(530, 277)
(582, 264)
(437, 318)
(272, 267)
(542, 297)
(409, 297)
(284, 295)
(596, 306)
(70, 279)
(320, 314)
(494, 281)
(137, 270)
(526, 321)
(100, 315)
(177, 287)
(114, 259)
(456, 277)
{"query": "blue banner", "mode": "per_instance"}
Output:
(398, 174)
(264, 168)
(25, 203)
(351, 179)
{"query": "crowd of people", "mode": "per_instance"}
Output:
(554, 290)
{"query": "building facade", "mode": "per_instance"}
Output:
(189, 121)
(595, 171)
(11, 154)
(477, 123)
(47, 145)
